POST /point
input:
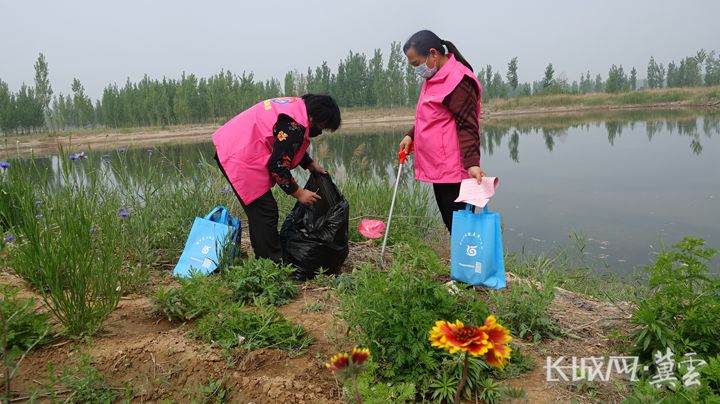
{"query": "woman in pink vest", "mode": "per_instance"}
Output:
(258, 148)
(446, 134)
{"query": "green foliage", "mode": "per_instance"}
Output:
(360, 81)
(490, 391)
(21, 326)
(70, 247)
(261, 281)
(21, 329)
(645, 393)
(392, 312)
(81, 383)
(214, 392)
(523, 308)
(444, 388)
(134, 279)
(682, 307)
(520, 363)
(234, 325)
(197, 296)
(374, 392)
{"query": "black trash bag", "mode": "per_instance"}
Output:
(314, 237)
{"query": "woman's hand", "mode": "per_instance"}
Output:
(317, 168)
(476, 172)
(306, 197)
(406, 144)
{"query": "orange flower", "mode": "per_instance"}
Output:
(338, 362)
(498, 352)
(359, 355)
(282, 136)
(459, 337)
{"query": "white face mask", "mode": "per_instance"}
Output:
(424, 71)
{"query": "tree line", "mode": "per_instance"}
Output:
(358, 81)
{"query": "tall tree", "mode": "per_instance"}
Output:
(633, 79)
(712, 69)
(377, 86)
(43, 89)
(82, 105)
(396, 84)
(7, 114)
(549, 79)
(289, 86)
(599, 85)
(654, 79)
(512, 76)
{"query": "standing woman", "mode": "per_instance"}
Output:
(258, 148)
(446, 134)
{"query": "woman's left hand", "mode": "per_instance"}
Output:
(317, 168)
(476, 172)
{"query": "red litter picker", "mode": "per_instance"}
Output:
(402, 157)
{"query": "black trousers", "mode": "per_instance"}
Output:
(263, 218)
(445, 195)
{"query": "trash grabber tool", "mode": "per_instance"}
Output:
(402, 157)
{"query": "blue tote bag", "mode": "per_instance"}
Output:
(207, 238)
(476, 249)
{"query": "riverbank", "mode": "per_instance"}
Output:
(520, 109)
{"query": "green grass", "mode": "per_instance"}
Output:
(690, 96)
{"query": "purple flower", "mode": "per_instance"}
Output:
(38, 202)
(199, 165)
(195, 179)
(4, 164)
(124, 214)
(78, 156)
(92, 230)
(10, 238)
(151, 151)
(121, 150)
(122, 209)
(106, 155)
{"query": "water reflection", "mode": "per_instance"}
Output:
(626, 180)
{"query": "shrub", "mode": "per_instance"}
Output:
(70, 248)
(392, 312)
(261, 281)
(682, 307)
(234, 325)
(197, 296)
(524, 309)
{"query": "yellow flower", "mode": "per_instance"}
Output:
(498, 353)
(338, 362)
(282, 136)
(359, 355)
(459, 337)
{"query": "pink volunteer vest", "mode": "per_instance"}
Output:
(437, 148)
(244, 145)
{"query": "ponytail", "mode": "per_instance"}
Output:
(458, 56)
(423, 41)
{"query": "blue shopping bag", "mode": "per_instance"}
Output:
(207, 239)
(476, 249)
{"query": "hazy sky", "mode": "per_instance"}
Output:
(101, 42)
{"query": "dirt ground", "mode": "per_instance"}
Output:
(161, 361)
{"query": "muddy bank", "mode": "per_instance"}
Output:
(398, 119)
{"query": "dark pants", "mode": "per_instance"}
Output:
(263, 218)
(445, 195)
